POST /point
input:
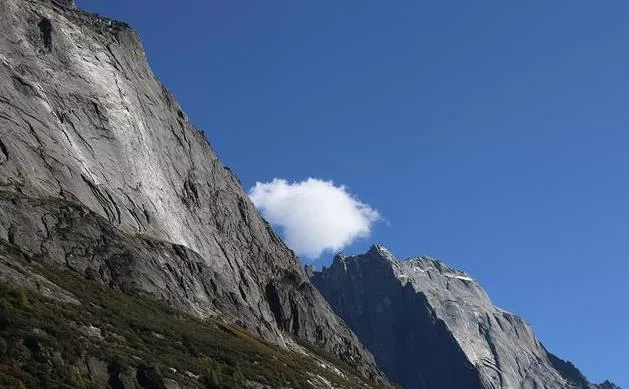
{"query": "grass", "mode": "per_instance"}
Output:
(44, 343)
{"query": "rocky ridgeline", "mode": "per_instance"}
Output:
(430, 326)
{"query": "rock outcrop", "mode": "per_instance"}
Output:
(430, 326)
(102, 173)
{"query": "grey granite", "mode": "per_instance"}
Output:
(431, 326)
(102, 173)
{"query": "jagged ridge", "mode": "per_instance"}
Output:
(421, 310)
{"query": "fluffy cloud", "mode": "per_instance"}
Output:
(314, 215)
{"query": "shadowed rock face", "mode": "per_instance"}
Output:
(102, 173)
(430, 326)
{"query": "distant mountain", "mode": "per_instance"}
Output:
(103, 177)
(430, 326)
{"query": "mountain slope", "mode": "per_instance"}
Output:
(62, 331)
(431, 326)
(102, 174)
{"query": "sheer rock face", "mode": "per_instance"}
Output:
(431, 326)
(101, 172)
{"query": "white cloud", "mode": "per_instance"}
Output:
(314, 215)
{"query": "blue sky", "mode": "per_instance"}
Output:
(490, 134)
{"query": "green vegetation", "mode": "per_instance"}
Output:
(47, 344)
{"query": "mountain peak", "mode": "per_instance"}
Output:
(381, 251)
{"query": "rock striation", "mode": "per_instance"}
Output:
(102, 174)
(430, 326)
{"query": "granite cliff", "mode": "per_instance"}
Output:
(103, 176)
(431, 326)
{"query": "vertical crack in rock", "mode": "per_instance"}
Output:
(102, 119)
(11, 234)
(190, 194)
(4, 154)
(45, 30)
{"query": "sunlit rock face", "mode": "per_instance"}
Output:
(430, 326)
(102, 173)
